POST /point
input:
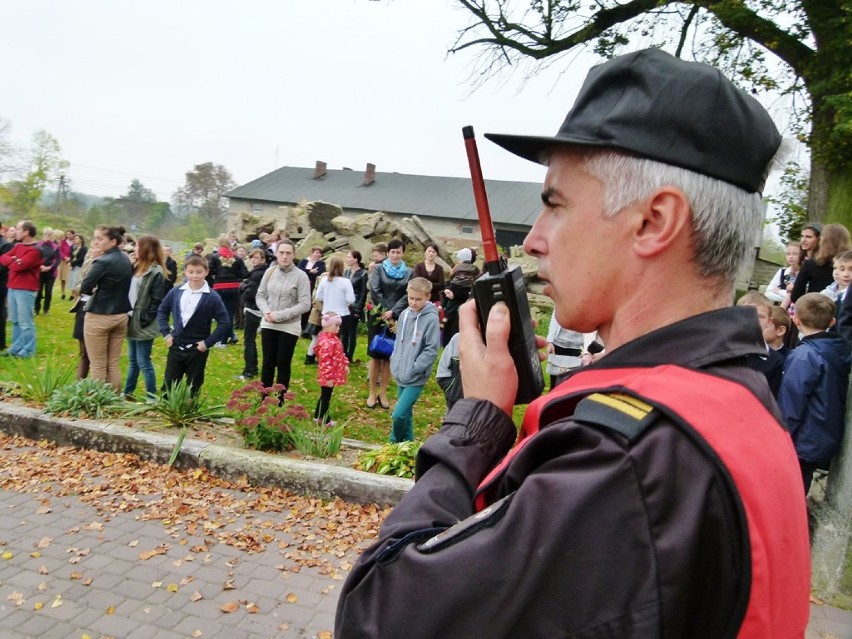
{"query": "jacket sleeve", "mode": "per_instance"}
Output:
(320, 293)
(96, 272)
(429, 353)
(802, 371)
(240, 269)
(844, 319)
(163, 312)
(156, 294)
(57, 258)
(376, 288)
(349, 293)
(360, 287)
(223, 321)
(261, 298)
(477, 572)
(800, 286)
(402, 302)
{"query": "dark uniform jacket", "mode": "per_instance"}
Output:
(587, 534)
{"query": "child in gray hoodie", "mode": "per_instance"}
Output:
(415, 349)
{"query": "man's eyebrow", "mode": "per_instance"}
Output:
(547, 196)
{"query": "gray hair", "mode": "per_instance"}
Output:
(726, 219)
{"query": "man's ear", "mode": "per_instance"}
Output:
(664, 220)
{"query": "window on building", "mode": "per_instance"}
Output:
(467, 230)
(257, 208)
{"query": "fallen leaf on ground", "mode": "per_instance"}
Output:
(292, 597)
(231, 606)
(252, 608)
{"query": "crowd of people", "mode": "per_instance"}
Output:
(126, 290)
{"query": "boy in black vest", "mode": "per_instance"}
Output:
(192, 307)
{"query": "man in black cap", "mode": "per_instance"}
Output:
(654, 493)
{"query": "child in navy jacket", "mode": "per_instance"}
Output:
(192, 307)
(813, 390)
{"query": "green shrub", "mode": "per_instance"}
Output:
(37, 380)
(391, 459)
(258, 417)
(85, 398)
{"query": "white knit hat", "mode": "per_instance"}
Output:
(464, 255)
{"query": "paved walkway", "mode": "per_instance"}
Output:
(116, 564)
(70, 569)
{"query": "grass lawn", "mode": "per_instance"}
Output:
(55, 345)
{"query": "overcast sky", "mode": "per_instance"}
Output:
(149, 89)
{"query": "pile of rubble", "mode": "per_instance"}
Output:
(324, 225)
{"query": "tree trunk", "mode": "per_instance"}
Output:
(839, 205)
(818, 191)
(831, 554)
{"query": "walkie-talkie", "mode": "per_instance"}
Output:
(500, 283)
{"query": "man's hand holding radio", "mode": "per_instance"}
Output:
(488, 372)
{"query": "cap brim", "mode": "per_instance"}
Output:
(536, 148)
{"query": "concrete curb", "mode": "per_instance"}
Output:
(261, 469)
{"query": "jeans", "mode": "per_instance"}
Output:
(21, 309)
(252, 322)
(139, 359)
(403, 414)
(3, 316)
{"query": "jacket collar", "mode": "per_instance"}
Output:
(699, 341)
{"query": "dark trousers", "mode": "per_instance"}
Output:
(323, 403)
(252, 322)
(808, 470)
(349, 335)
(230, 298)
(45, 290)
(278, 348)
(189, 363)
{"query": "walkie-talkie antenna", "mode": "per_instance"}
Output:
(503, 284)
(486, 227)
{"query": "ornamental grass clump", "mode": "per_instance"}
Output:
(391, 459)
(313, 438)
(181, 408)
(85, 398)
(261, 417)
(36, 379)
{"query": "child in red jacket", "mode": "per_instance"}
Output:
(333, 367)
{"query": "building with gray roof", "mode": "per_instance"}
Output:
(445, 205)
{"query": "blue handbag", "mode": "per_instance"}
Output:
(381, 346)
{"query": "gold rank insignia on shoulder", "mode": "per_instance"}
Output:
(619, 412)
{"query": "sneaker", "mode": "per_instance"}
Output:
(310, 360)
(219, 345)
(244, 378)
